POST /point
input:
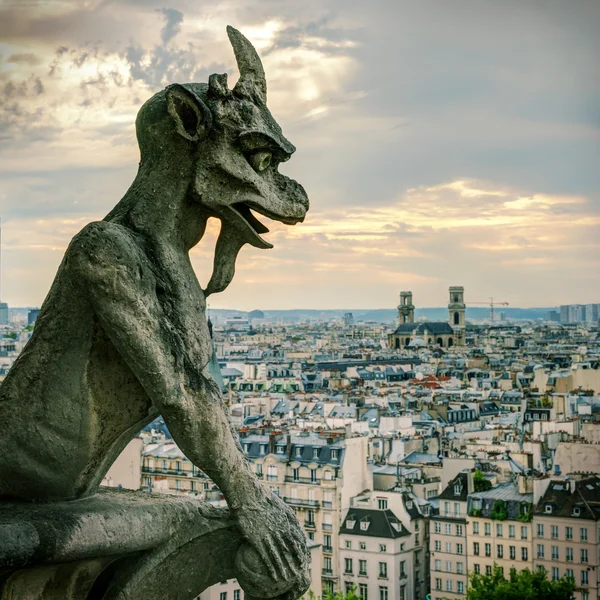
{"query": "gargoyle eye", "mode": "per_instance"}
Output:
(260, 160)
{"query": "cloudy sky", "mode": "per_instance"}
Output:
(441, 142)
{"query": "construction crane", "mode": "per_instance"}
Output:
(491, 303)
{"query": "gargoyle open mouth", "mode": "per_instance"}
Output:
(246, 213)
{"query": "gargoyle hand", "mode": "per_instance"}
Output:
(272, 529)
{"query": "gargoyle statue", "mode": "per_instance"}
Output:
(122, 336)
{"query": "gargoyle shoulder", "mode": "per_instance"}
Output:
(104, 251)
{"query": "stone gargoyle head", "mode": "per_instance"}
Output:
(235, 147)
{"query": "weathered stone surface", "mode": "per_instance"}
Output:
(122, 337)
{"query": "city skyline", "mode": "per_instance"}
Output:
(438, 147)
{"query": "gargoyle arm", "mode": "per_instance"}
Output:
(170, 364)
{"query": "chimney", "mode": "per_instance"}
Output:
(289, 445)
(470, 482)
(272, 442)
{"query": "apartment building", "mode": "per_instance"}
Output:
(316, 474)
(375, 557)
(566, 531)
(407, 557)
(500, 529)
(448, 540)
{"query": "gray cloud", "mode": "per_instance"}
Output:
(173, 20)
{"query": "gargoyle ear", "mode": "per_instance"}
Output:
(192, 117)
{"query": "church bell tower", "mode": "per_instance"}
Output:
(456, 313)
(406, 309)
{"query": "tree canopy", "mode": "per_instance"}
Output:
(521, 585)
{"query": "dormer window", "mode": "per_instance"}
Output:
(395, 525)
(548, 509)
(409, 504)
(350, 523)
(280, 449)
(458, 489)
(364, 524)
(577, 511)
(246, 448)
(263, 448)
(299, 451)
(334, 455)
(315, 453)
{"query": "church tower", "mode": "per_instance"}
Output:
(406, 309)
(456, 312)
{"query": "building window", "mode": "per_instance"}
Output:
(296, 474)
(555, 573)
(362, 545)
(460, 587)
(449, 547)
(382, 548)
(456, 509)
(382, 503)
(327, 563)
(477, 568)
(363, 591)
(554, 552)
(362, 567)
(459, 568)
(554, 532)
(402, 569)
(448, 529)
(448, 585)
(223, 596)
(523, 533)
(585, 596)
(540, 530)
(438, 546)
(498, 530)
(500, 550)
(236, 594)
(569, 533)
(476, 548)
(313, 475)
(438, 583)
(540, 551)
(315, 453)
(298, 451)
(348, 544)
(334, 455)
(383, 570)
(348, 565)
(487, 529)
(584, 578)
(488, 569)
(584, 556)
(383, 593)
(488, 549)
(583, 534)
(438, 565)
(447, 509)
(280, 449)
(511, 531)
(459, 548)
(512, 552)
(459, 530)
(475, 527)
(437, 528)
(523, 553)
(569, 554)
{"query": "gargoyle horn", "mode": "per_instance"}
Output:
(252, 74)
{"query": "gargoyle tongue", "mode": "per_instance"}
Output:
(229, 244)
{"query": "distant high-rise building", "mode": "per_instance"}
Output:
(3, 313)
(348, 319)
(592, 313)
(32, 315)
(564, 313)
(576, 313)
(552, 315)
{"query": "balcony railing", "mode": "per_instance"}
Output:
(179, 472)
(310, 524)
(328, 549)
(327, 504)
(327, 526)
(302, 502)
(292, 479)
(328, 573)
(272, 478)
